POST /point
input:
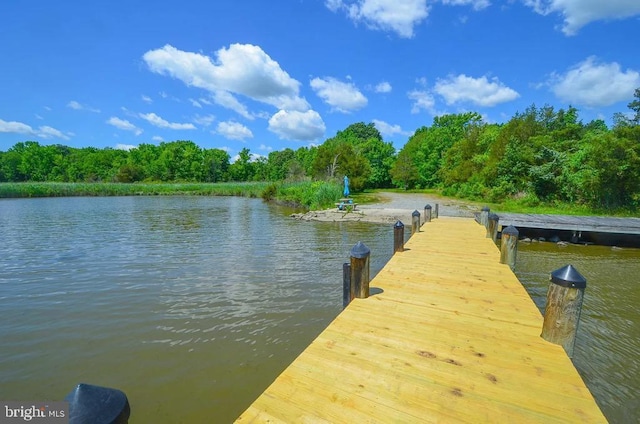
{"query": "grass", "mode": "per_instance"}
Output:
(51, 189)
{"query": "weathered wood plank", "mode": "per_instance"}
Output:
(572, 223)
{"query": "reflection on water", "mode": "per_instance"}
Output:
(190, 305)
(608, 344)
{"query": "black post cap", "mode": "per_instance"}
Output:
(360, 250)
(398, 224)
(415, 213)
(428, 206)
(568, 276)
(97, 405)
(494, 217)
(511, 231)
(486, 209)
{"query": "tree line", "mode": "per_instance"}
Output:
(541, 155)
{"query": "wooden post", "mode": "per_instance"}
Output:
(346, 284)
(509, 246)
(564, 304)
(492, 229)
(398, 237)
(360, 270)
(427, 213)
(435, 211)
(484, 217)
(415, 222)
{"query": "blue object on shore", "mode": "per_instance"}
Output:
(90, 404)
(346, 186)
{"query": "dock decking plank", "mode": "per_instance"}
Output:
(452, 336)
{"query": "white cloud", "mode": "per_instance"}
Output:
(228, 100)
(242, 69)
(157, 138)
(422, 100)
(296, 125)
(383, 87)
(234, 131)
(77, 106)
(22, 128)
(578, 13)
(479, 91)
(123, 124)
(205, 121)
(146, 99)
(386, 15)
(591, 83)
(476, 4)
(154, 119)
(195, 103)
(388, 129)
(341, 96)
(126, 147)
(266, 148)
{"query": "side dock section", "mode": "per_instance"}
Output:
(450, 336)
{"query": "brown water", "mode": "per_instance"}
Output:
(193, 305)
(607, 352)
(190, 305)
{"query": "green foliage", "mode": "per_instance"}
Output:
(310, 195)
(49, 189)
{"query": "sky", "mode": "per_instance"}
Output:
(268, 75)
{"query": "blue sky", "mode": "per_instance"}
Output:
(267, 75)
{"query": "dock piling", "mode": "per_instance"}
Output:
(427, 213)
(492, 228)
(435, 211)
(509, 246)
(484, 218)
(360, 271)
(415, 222)
(346, 284)
(564, 304)
(398, 237)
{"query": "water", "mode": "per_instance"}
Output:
(190, 305)
(607, 351)
(193, 305)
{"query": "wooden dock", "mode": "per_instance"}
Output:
(597, 224)
(451, 336)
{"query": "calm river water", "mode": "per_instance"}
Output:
(193, 305)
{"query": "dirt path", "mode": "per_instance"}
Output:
(393, 207)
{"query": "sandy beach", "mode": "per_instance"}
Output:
(393, 207)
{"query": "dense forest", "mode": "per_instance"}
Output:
(541, 155)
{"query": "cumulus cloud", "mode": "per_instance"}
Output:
(383, 87)
(479, 91)
(240, 69)
(341, 96)
(422, 100)
(591, 83)
(78, 106)
(123, 124)
(578, 13)
(229, 101)
(44, 131)
(195, 103)
(234, 131)
(388, 129)
(154, 119)
(296, 125)
(396, 16)
(146, 99)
